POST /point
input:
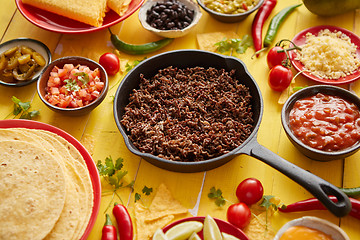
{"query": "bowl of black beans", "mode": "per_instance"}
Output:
(169, 18)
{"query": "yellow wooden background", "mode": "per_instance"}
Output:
(190, 189)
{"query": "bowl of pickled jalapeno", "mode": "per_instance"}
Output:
(22, 60)
(230, 11)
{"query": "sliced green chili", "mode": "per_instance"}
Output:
(138, 49)
(351, 192)
(275, 23)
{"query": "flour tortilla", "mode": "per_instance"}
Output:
(32, 191)
(79, 201)
(87, 11)
(119, 6)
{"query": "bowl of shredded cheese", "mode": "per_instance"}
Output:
(329, 55)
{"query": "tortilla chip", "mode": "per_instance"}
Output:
(259, 227)
(146, 229)
(88, 141)
(206, 41)
(164, 204)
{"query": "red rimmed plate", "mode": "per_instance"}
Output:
(56, 23)
(224, 226)
(299, 40)
(94, 175)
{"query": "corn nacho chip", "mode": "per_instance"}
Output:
(206, 41)
(145, 229)
(164, 204)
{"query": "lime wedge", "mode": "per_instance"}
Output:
(227, 236)
(159, 235)
(194, 236)
(183, 231)
(211, 229)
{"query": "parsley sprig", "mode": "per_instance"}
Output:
(113, 174)
(22, 109)
(238, 45)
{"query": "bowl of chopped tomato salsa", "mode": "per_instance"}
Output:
(323, 122)
(73, 85)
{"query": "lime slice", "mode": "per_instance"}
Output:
(183, 231)
(227, 236)
(211, 229)
(194, 236)
(159, 235)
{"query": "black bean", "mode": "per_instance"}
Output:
(170, 10)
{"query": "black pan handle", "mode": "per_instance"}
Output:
(317, 186)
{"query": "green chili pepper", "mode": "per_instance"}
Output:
(138, 49)
(351, 192)
(275, 23)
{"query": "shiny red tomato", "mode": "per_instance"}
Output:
(250, 191)
(275, 58)
(280, 78)
(110, 63)
(239, 215)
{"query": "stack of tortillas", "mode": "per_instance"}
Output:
(91, 12)
(45, 186)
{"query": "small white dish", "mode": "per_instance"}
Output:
(169, 33)
(315, 223)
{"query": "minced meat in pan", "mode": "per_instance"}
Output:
(190, 114)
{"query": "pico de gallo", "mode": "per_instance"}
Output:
(73, 86)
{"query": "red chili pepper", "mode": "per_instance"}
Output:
(109, 230)
(258, 23)
(315, 204)
(123, 219)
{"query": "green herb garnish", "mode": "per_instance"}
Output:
(238, 45)
(146, 190)
(113, 174)
(22, 109)
(71, 85)
(82, 77)
(217, 195)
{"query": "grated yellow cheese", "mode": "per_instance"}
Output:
(329, 55)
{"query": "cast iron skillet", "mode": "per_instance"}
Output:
(192, 58)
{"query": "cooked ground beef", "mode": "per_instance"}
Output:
(189, 114)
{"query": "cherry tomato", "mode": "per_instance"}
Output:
(280, 78)
(110, 63)
(250, 191)
(239, 215)
(275, 58)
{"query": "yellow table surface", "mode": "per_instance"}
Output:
(190, 189)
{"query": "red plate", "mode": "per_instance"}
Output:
(224, 226)
(56, 23)
(94, 175)
(299, 40)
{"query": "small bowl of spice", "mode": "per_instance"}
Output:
(230, 11)
(22, 60)
(323, 122)
(73, 85)
(169, 18)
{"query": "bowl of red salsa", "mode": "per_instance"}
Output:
(323, 122)
(73, 85)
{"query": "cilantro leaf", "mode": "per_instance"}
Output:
(137, 197)
(23, 109)
(71, 85)
(216, 194)
(82, 77)
(238, 45)
(147, 190)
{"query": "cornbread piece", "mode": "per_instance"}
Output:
(86, 11)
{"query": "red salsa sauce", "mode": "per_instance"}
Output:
(325, 122)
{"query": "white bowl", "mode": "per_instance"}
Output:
(170, 33)
(315, 223)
